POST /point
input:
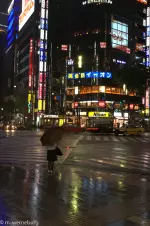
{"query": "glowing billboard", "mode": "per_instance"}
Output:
(28, 7)
(142, 1)
(97, 2)
(119, 35)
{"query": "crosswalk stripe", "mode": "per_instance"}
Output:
(142, 140)
(97, 138)
(88, 137)
(123, 139)
(105, 138)
(114, 139)
(131, 139)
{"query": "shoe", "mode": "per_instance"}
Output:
(49, 171)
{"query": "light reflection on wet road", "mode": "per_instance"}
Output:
(72, 196)
(94, 186)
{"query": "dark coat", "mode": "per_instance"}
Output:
(52, 155)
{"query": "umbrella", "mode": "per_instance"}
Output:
(51, 136)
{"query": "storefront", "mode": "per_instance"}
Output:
(52, 120)
(78, 118)
(100, 121)
(120, 119)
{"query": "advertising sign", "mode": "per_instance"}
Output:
(97, 2)
(102, 104)
(119, 35)
(28, 7)
(99, 114)
(103, 45)
(43, 56)
(31, 63)
(90, 74)
(143, 1)
(147, 99)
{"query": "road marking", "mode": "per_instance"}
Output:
(114, 139)
(132, 139)
(97, 138)
(68, 152)
(123, 139)
(141, 140)
(105, 138)
(88, 137)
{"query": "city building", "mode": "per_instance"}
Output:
(2, 48)
(9, 59)
(111, 38)
(39, 77)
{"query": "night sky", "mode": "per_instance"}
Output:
(3, 8)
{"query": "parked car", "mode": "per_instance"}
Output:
(129, 130)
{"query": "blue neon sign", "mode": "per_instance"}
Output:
(97, 74)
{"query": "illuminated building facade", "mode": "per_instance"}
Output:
(114, 36)
(10, 55)
(31, 58)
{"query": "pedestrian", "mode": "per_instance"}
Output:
(50, 140)
(52, 152)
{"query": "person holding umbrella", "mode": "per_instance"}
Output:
(50, 139)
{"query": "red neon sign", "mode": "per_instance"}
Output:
(31, 63)
(131, 106)
(102, 104)
(64, 47)
(103, 45)
(75, 104)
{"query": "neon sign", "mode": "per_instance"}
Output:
(119, 36)
(91, 74)
(28, 7)
(142, 1)
(97, 2)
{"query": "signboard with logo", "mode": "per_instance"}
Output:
(28, 7)
(97, 2)
(43, 56)
(102, 104)
(99, 114)
(103, 45)
(119, 35)
(143, 1)
(90, 74)
(147, 99)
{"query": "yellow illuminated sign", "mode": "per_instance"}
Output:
(99, 114)
(70, 76)
(82, 75)
(76, 76)
(29, 98)
(41, 105)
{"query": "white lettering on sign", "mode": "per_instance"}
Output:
(28, 8)
(97, 1)
(147, 99)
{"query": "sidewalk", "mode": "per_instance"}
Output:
(73, 196)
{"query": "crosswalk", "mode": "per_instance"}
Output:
(24, 148)
(111, 138)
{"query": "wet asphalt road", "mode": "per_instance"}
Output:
(100, 180)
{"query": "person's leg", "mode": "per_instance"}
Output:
(49, 166)
(52, 166)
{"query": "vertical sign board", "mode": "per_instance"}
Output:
(147, 101)
(148, 38)
(43, 56)
(30, 84)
